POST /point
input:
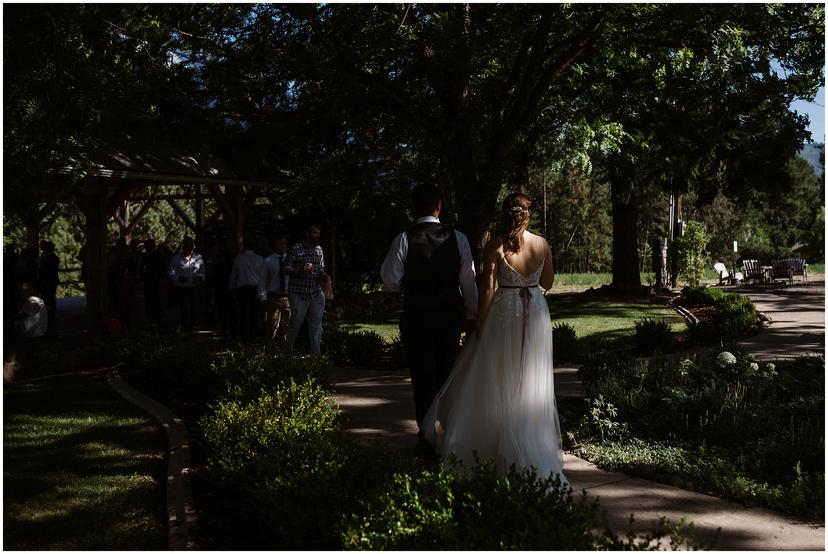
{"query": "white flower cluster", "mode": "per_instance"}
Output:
(725, 358)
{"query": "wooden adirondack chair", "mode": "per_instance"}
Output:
(798, 267)
(725, 277)
(722, 271)
(781, 270)
(752, 271)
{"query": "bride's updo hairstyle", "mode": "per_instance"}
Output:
(514, 221)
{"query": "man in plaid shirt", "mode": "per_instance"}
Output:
(305, 264)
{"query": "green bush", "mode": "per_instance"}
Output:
(565, 343)
(247, 371)
(397, 355)
(365, 348)
(334, 342)
(688, 251)
(736, 314)
(353, 348)
(653, 335)
(480, 510)
(282, 454)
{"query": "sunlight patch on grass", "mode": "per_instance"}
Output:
(611, 323)
(82, 470)
(388, 331)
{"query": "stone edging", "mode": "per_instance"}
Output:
(688, 317)
(181, 514)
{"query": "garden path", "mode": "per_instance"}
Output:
(378, 405)
(798, 313)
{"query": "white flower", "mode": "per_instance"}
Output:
(754, 366)
(726, 358)
(770, 368)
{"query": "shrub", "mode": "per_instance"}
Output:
(653, 335)
(482, 510)
(364, 348)
(285, 453)
(353, 348)
(689, 252)
(397, 354)
(736, 314)
(565, 343)
(247, 371)
(334, 340)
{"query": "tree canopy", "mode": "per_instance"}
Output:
(359, 102)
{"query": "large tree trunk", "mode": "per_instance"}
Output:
(625, 274)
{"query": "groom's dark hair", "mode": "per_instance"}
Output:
(427, 198)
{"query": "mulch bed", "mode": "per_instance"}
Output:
(701, 311)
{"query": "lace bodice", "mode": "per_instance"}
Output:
(509, 276)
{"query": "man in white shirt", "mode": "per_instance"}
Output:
(244, 283)
(433, 267)
(187, 271)
(273, 292)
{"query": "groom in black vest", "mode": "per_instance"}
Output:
(432, 265)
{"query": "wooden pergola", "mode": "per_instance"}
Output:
(118, 180)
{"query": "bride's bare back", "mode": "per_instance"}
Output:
(535, 252)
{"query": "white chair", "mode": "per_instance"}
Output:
(724, 276)
(722, 271)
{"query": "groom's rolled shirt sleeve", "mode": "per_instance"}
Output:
(468, 286)
(393, 268)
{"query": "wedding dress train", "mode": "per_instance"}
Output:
(499, 399)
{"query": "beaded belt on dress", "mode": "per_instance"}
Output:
(526, 295)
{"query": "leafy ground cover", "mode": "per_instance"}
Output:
(83, 469)
(724, 425)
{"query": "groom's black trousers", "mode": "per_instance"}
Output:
(431, 341)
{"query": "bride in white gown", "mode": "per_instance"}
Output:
(499, 400)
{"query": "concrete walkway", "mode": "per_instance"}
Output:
(798, 313)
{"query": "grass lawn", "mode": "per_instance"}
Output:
(610, 322)
(594, 318)
(83, 469)
(386, 325)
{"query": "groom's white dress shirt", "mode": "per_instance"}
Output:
(393, 268)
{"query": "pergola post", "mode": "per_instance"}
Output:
(93, 204)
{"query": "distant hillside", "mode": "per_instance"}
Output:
(810, 152)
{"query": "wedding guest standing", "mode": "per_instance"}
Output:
(187, 272)
(305, 264)
(244, 282)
